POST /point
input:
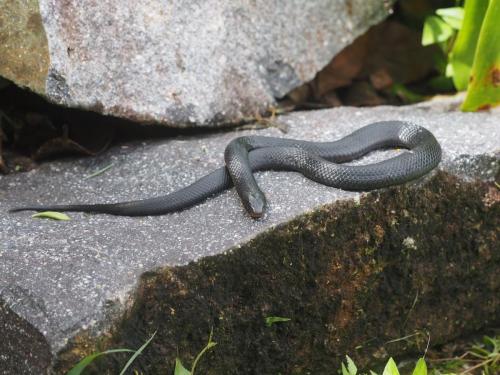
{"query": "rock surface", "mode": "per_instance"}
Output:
(74, 278)
(180, 63)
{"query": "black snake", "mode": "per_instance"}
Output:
(319, 161)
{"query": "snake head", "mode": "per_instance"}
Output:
(255, 204)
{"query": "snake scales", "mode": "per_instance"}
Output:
(319, 161)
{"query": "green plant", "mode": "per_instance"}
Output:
(441, 29)
(483, 90)
(390, 368)
(181, 370)
(482, 358)
(80, 366)
(469, 38)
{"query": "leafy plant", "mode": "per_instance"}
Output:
(462, 54)
(484, 82)
(470, 40)
(442, 29)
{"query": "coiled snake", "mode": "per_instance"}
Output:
(318, 161)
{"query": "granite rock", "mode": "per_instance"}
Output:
(178, 63)
(65, 278)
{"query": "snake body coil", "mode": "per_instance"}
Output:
(318, 161)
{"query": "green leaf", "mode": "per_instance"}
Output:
(80, 366)
(351, 366)
(449, 71)
(484, 86)
(136, 354)
(51, 215)
(373, 372)
(270, 320)
(420, 367)
(464, 48)
(391, 368)
(452, 16)
(344, 369)
(180, 369)
(435, 31)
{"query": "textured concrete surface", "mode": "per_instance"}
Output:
(62, 277)
(186, 63)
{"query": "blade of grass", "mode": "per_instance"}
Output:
(136, 354)
(98, 172)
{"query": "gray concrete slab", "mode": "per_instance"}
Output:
(68, 275)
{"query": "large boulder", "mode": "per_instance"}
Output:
(178, 63)
(346, 267)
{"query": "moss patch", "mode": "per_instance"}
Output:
(351, 277)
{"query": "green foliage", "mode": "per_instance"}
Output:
(420, 367)
(51, 215)
(483, 358)
(473, 54)
(270, 320)
(351, 368)
(452, 16)
(488, 354)
(390, 368)
(484, 87)
(80, 366)
(436, 30)
(462, 54)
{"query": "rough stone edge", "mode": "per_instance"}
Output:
(21, 345)
(477, 198)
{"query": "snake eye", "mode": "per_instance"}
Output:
(256, 204)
